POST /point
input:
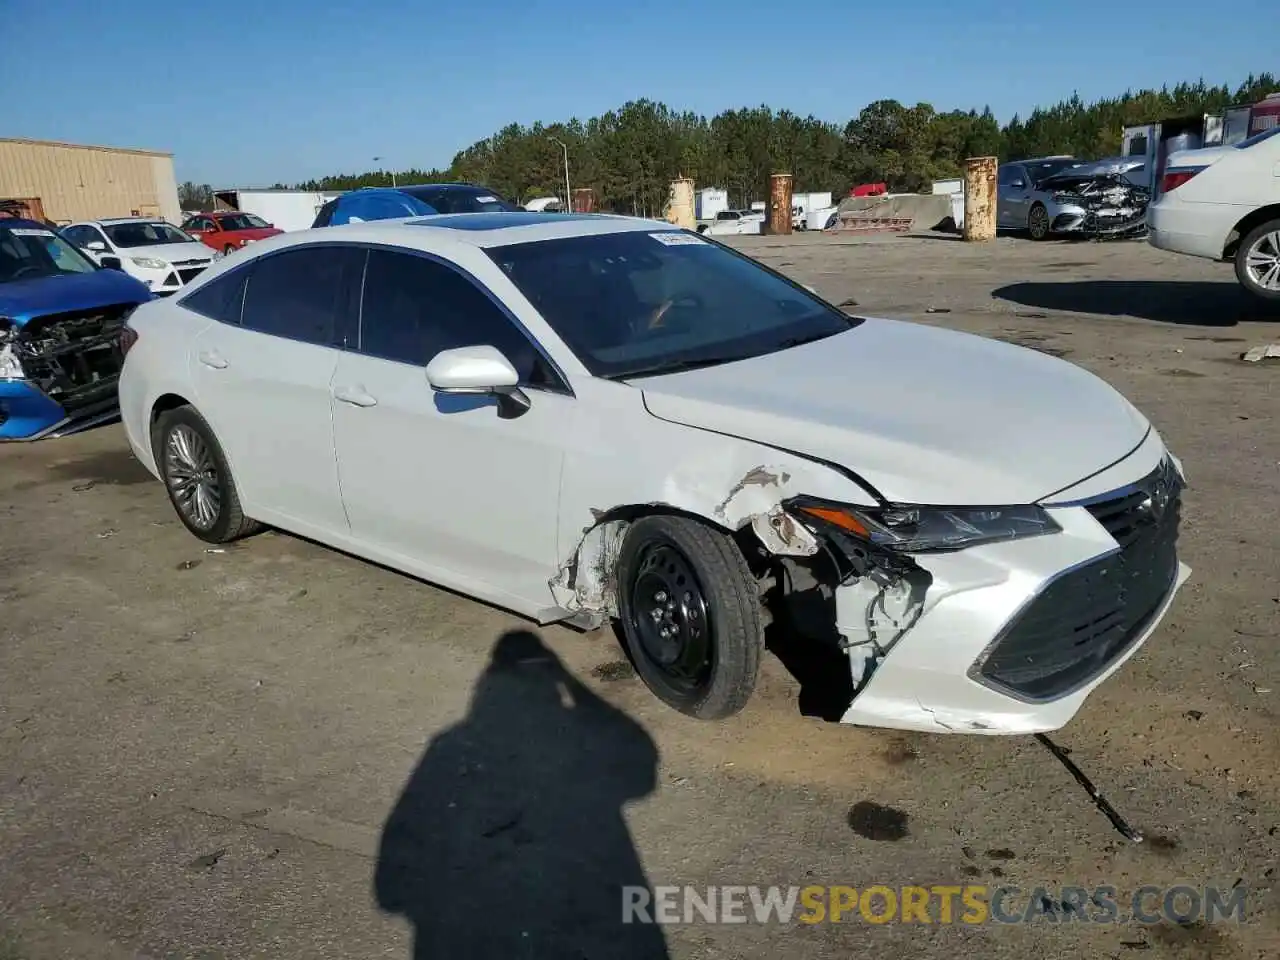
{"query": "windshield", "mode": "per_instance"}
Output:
(1040, 170)
(635, 303)
(242, 221)
(462, 199)
(1257, 138)
(144, 234)
(27, 253)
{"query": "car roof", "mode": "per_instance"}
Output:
(110, 221)
(484, 230)
(21, 223)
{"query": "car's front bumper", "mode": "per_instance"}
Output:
(1065, 217)
(169, 280)
(938, 676)
(26, 413)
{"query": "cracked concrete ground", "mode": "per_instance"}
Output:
(257, 752)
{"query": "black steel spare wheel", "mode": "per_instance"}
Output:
(197, 477)
(690, 615)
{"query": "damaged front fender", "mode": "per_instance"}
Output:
(584, 585)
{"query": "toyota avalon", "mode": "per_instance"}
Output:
(593, 418)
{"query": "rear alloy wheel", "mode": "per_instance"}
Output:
(228, 250)
(691, 615)
(197, 477)
(1258, 261)
(1038, 222)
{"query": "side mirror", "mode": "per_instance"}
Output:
(478, 370)
(97, 246)
(111, 263)
(1020, 184)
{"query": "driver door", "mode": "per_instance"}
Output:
(440, 483)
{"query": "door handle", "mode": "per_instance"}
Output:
(212, 359)
(355, 396)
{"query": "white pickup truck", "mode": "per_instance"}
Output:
(730, 222)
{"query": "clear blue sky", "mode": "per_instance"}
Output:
(248, 93)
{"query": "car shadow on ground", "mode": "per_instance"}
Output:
(1195, 302)
(509, 839)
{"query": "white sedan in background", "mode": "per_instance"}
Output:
(1224, 203)
(153, 251)
(583, 418)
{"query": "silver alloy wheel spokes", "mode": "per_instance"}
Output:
(1039, 221)
(192, 476)
(1263, 261)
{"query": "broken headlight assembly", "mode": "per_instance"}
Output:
(908, 528)
(10, 365)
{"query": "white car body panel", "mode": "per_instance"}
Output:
(1200, 217)
(529, 512)
(410, 445)
(846, 399)
(269, 399)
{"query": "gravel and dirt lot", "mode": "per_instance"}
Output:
(257, 751)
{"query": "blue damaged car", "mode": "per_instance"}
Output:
(61, 318)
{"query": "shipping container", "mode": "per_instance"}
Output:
(75, 182)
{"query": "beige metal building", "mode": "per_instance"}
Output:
(66, 181)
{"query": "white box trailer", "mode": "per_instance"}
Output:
(286, 209)
(708, 202)
(811, 201)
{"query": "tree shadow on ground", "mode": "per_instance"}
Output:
(1196, 302)
(509, 839)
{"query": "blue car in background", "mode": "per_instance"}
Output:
(61, 317)
(421, 200)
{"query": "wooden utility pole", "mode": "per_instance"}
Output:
(780, 203)
(980, 198)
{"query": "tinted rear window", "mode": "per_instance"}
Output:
(462, 199)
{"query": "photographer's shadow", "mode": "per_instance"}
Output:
(508, 840)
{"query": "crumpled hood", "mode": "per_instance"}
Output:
(24, 300)
(924, 415)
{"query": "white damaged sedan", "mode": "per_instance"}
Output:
(585, 418)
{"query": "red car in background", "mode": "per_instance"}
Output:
(228, 231)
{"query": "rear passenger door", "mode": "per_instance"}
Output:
(441, 484)
(263, 373)
(1012, 193)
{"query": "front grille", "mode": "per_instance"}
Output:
(190, 263)
(1082, 621)
(189, 275)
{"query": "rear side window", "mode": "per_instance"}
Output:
(415, 307)
(299, 294)
(219, 299)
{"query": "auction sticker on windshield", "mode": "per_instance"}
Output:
(676, 239)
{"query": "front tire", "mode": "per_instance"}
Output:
(197, 477)
(1038, 222)
(691, 615)
(1258, 261)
